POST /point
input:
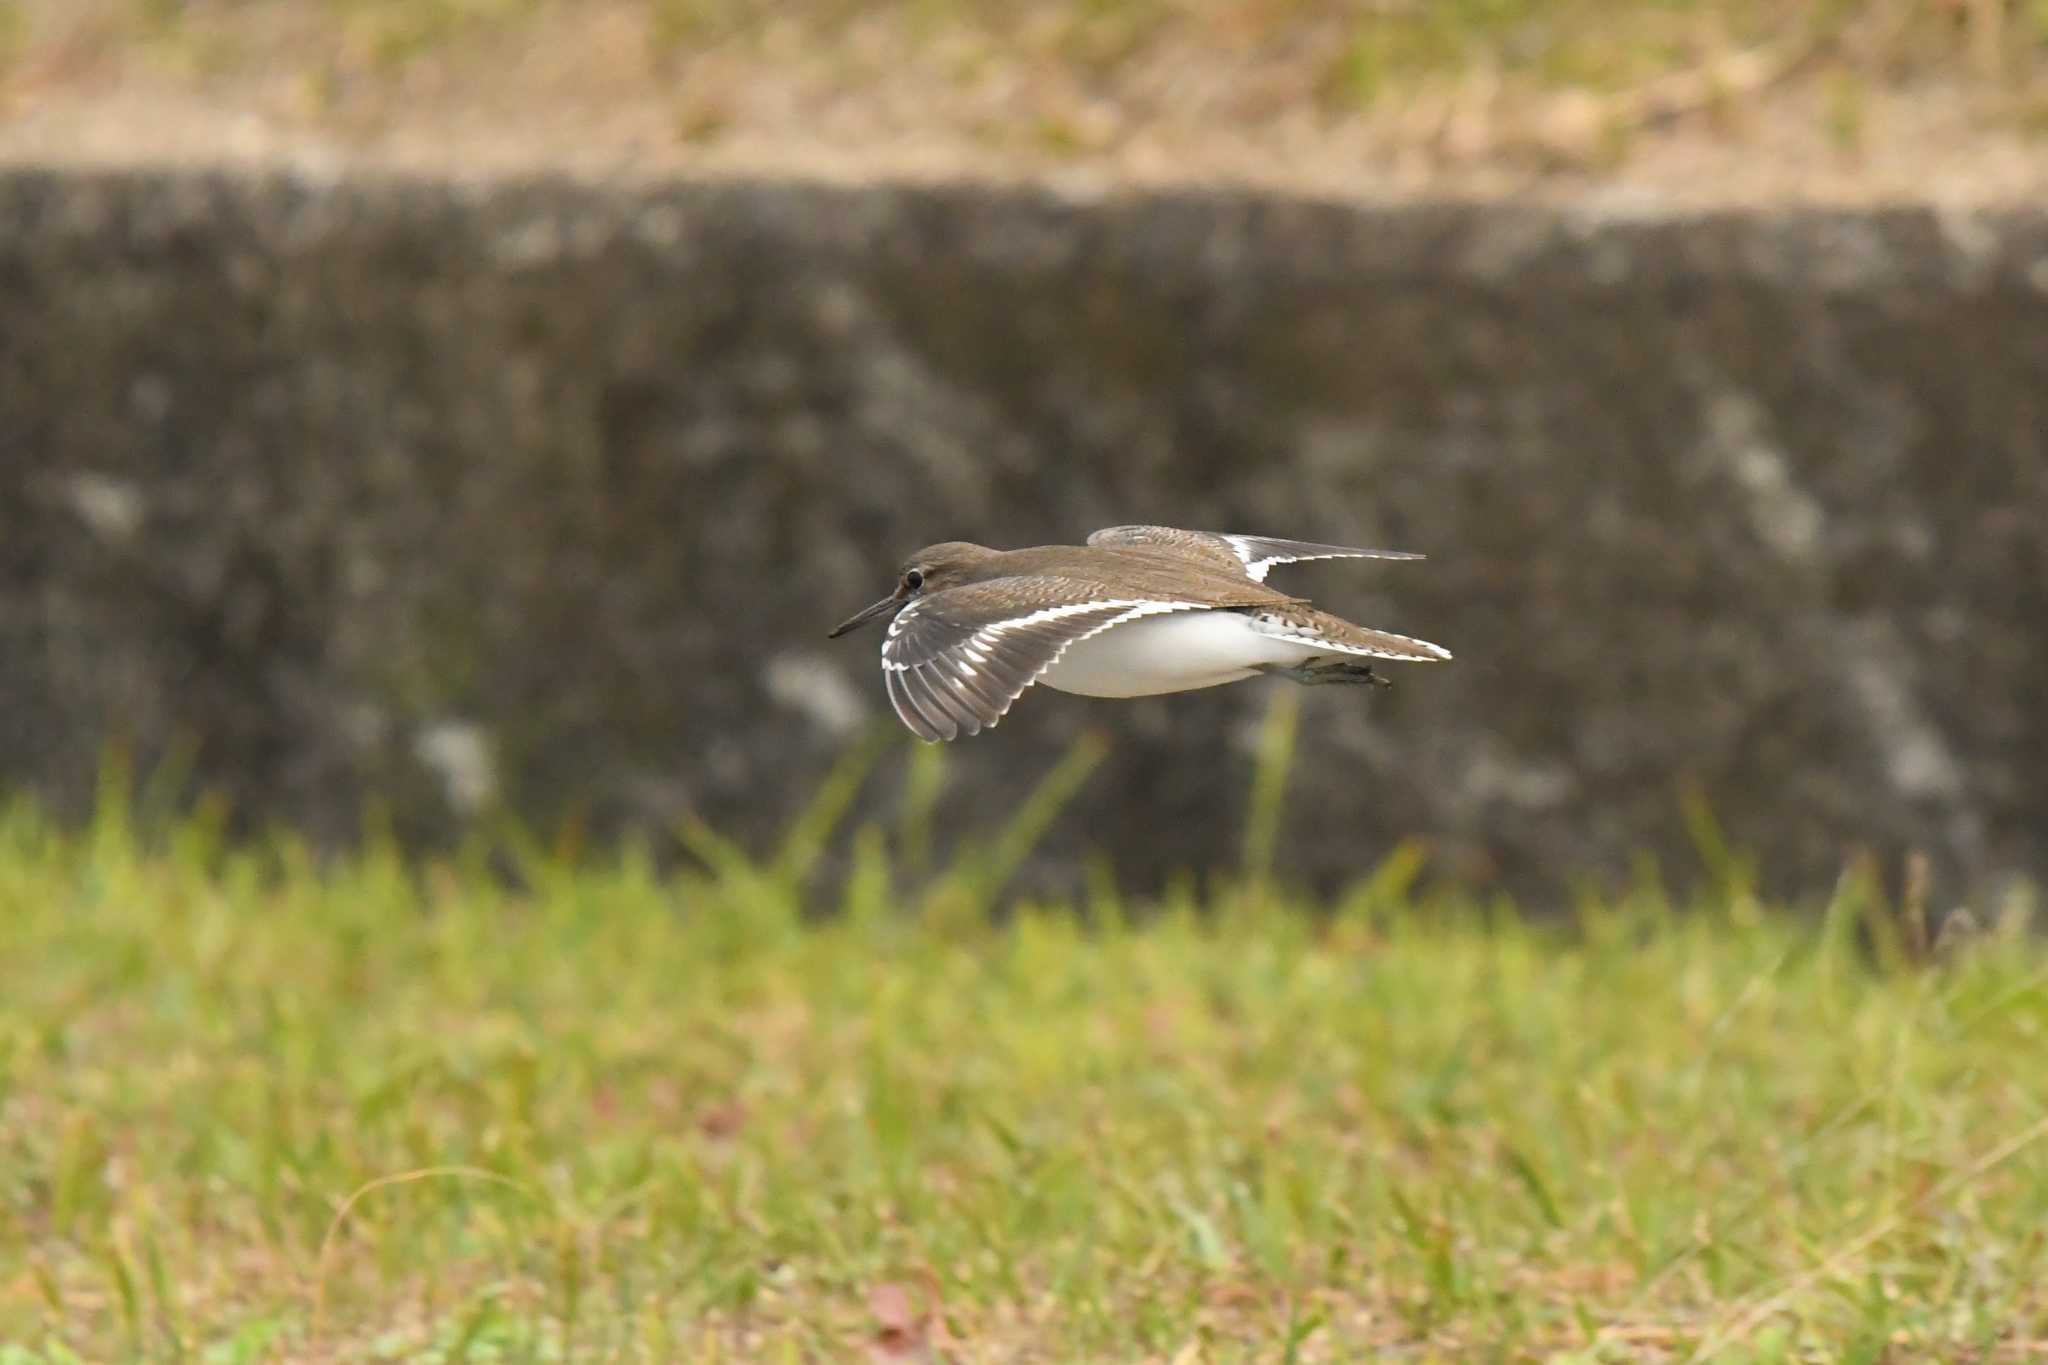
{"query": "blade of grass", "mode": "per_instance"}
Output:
(323, 1263)
(1269, 791)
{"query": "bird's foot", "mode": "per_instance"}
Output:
(1345, 671)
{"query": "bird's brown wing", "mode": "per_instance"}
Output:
(1250, 556)
(955, 661)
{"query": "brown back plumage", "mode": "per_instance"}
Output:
(1134, 572)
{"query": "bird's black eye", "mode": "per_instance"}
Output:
(914, 579)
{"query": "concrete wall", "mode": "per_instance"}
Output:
(419, 490)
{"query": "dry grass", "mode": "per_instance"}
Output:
(1750, 95)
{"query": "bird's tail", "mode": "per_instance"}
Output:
(1339, 636)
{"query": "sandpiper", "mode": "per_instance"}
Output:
(1137, 611)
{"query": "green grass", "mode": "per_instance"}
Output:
(522, 1104)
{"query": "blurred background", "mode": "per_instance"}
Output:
(1696, 101)
(469, 407)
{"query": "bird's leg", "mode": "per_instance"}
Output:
(1338, 671)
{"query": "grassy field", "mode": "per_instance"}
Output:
(524, 1104)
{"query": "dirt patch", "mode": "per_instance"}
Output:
(1707, 102)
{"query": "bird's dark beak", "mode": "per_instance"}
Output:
(867, 614)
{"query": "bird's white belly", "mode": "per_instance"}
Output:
(1173, 653)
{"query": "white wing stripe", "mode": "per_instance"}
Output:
(1257, 565)
(1254, 567)
(920, 688)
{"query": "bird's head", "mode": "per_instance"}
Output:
(932, 569)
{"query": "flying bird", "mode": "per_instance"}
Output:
(1137, 611)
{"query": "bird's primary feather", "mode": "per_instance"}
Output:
(1252, 556)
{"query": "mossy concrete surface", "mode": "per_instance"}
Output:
(325, 492)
